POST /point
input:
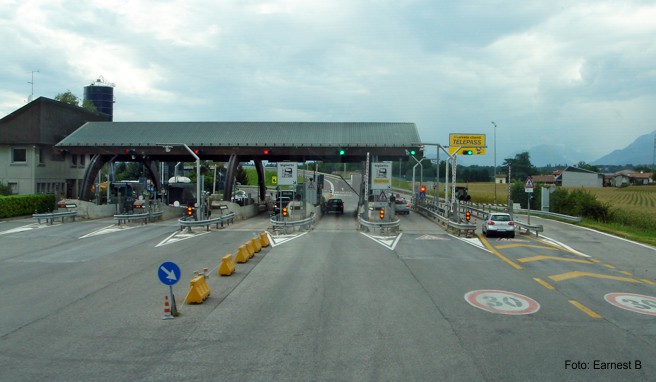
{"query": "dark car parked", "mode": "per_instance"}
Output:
(334, 205)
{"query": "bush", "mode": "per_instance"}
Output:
(20, 205)
(579, 202)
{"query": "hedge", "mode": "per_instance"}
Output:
(20, 205)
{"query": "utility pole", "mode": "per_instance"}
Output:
(495, 162)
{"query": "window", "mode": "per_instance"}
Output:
(19, 155)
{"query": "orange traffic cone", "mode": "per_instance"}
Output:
(167, 310)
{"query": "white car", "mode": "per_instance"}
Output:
(499, 223)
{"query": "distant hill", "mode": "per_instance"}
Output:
(543, 155)
(641, 151)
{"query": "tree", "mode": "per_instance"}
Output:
(68, 97)
(589, 167)
(72, 99)
(521, 166)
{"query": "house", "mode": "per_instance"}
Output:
(578, 177)
(29, 164)
(629, 177)
(501, 179)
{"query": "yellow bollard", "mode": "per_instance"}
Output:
(264, 239)
(250, 249)
(242, 255)
(199, 290)
(227, 266)
(256, 244)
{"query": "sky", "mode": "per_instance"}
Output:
(579, 76)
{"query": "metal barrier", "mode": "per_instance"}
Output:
(184, 223)
(50, 217)
(467, 228)
(284, 226)
(384, 227)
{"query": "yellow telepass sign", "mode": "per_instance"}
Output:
(467, 144)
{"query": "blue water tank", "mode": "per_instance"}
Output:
(102, 96)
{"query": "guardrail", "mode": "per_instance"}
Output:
(50, 217)
(384, 227)
(285, 225)
(184, 223)
(437, 213)
(145, 216)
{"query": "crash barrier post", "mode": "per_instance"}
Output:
(257, 246)
(264, 239)
(242, 254)
(199, 291)
(250, 249)
(227, 266)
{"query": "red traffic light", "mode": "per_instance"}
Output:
(266, 151)
(422, 189)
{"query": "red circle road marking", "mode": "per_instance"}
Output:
(502, 302)
(634, 302)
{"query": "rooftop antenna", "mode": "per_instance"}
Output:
(32, 83)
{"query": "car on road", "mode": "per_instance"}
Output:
(240, 197)
(334, 205)
(401, 206)
(499, 223)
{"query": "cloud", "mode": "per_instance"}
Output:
(544, 71)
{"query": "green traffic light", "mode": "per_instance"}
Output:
(467, 152)
(342, 152)
(412, 152)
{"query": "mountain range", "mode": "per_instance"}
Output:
(640, 152)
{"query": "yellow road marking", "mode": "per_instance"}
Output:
(572, 275)
(648, 281)
(544, 283)
(585, 309)
(609, 266)
(595, 260)
(499, 255)
(527, 245)
(626, 273)
(542, 257)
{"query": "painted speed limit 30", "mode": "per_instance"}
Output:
(502, 302)
(634, 302)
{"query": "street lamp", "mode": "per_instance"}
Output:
(167, 147)
(495, 162)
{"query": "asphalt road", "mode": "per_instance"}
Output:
(82, 301)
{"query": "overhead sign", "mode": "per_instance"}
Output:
(287, 174)
(467, 144)
(168, 273)
(529, 185)
(381, 175)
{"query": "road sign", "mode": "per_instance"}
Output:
(502, 302)
(529, 185)
(459, 143)
(287, 174)
(381, 197)
(634, 302)
(168, 273)
(381, 175)
(274, 179)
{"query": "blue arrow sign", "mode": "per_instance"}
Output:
(169, 273)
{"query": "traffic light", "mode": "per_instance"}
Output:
(129, 151)
(467, 152)
(266, 151)
(284, 212)
(198, 151)
(341, 152)
(190, 211)
(468, 215)
(382, 213)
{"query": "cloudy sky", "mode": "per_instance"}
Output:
(577, 74)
